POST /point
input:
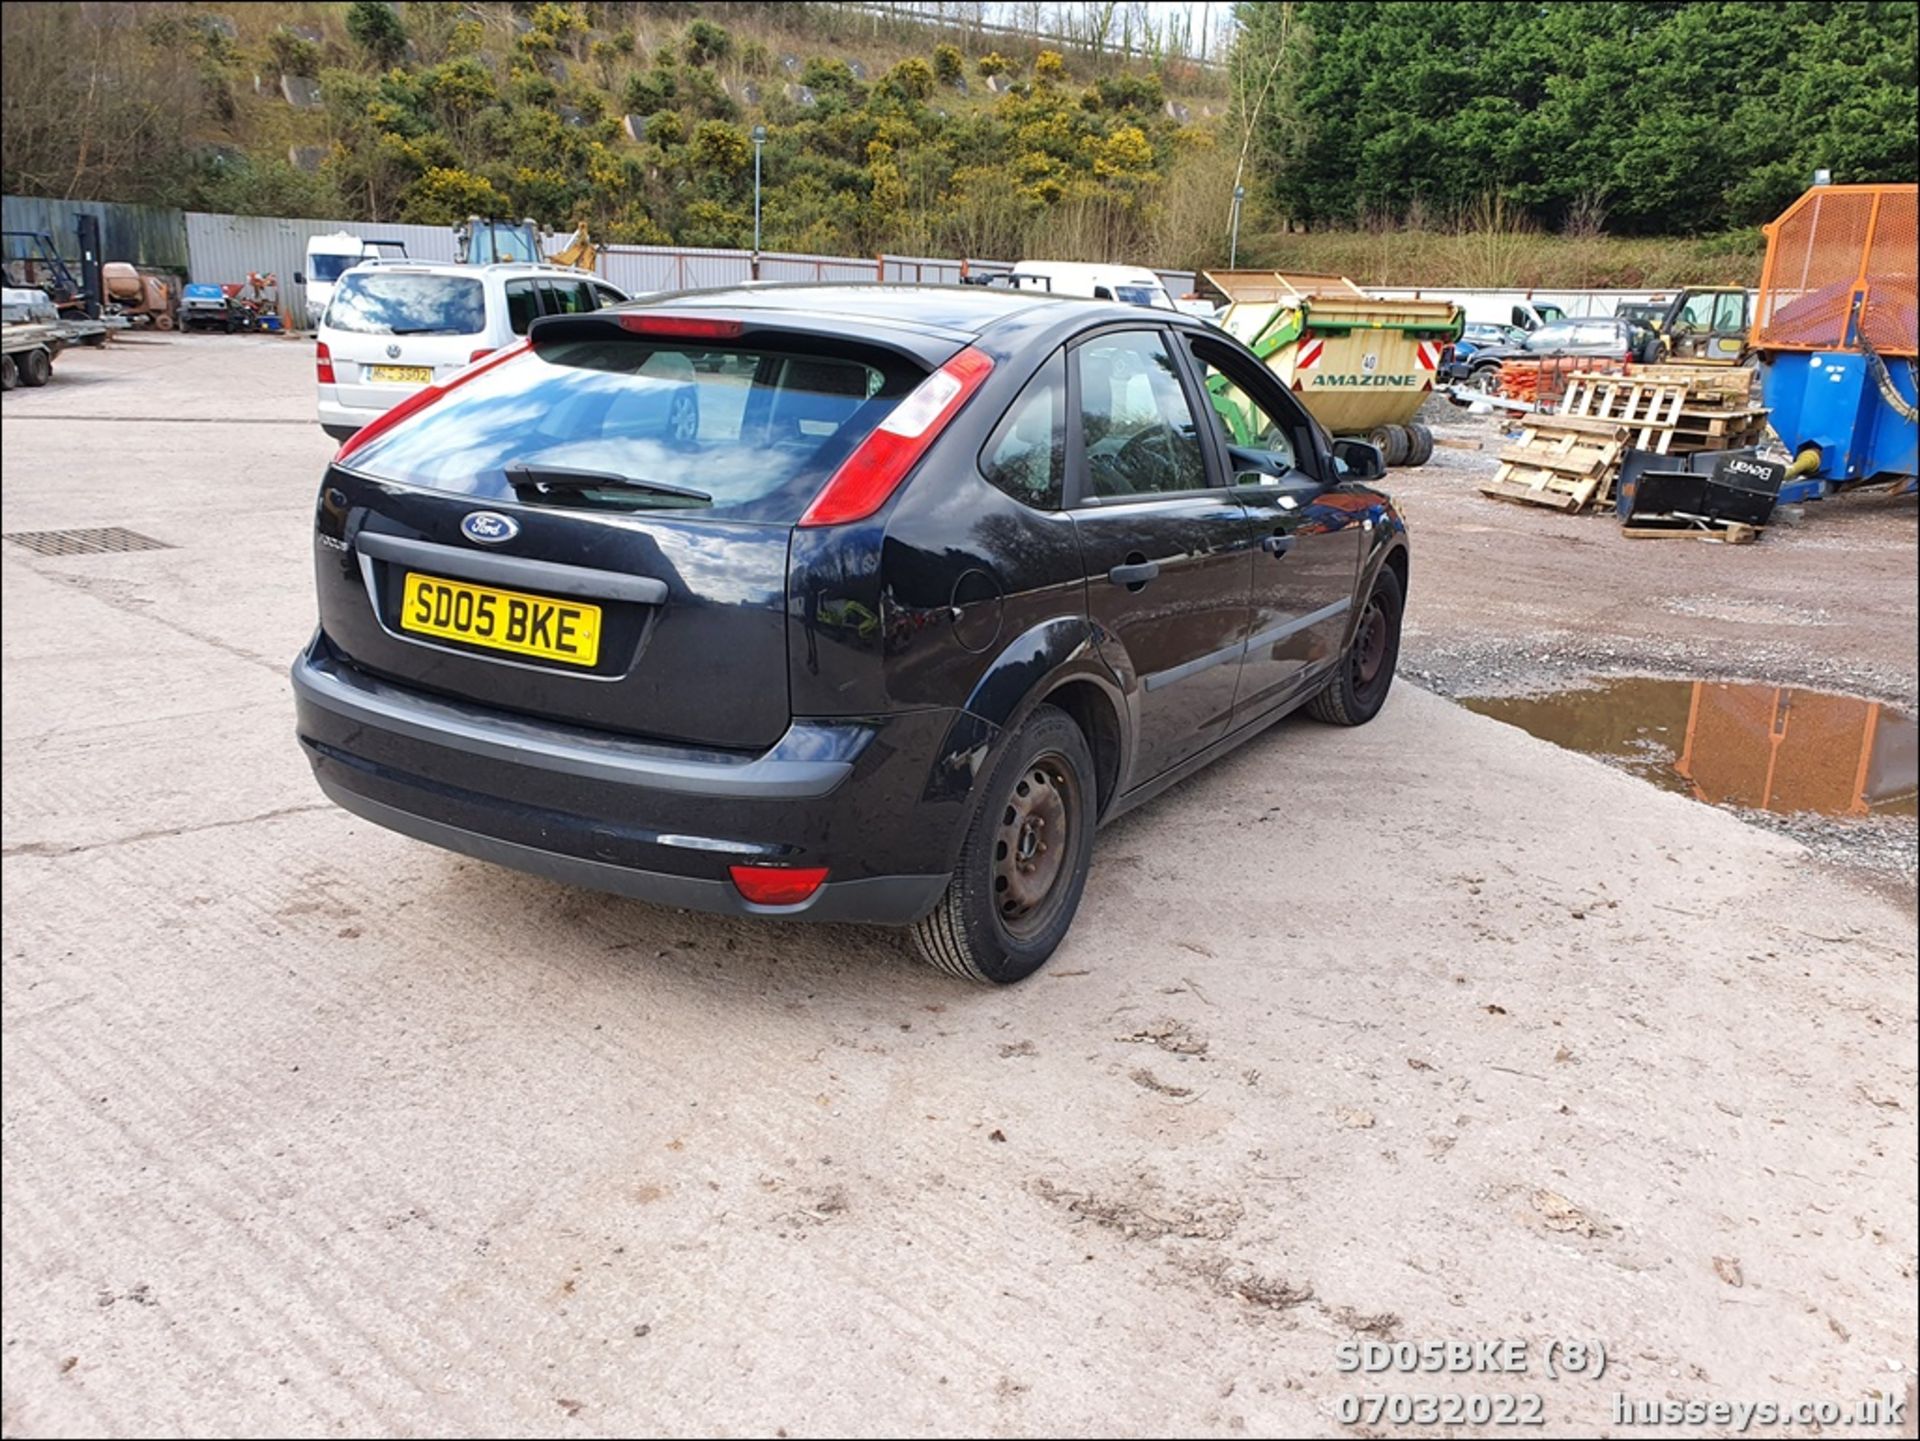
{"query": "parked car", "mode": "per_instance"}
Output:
(395, 326)
(1479, 334)
(1608, 337)
(882, 640)
(1133, 284)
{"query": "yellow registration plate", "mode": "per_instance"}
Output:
(402, 374)
(507, 620)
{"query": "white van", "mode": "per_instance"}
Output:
(331, 256)
(1131, 284)
(396, 325)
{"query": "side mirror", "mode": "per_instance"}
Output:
(1357, 460)
(299, 277)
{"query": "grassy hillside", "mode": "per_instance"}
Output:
(1505, 257)
(634, 118)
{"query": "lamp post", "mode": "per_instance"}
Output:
(1233, 253)
(759, 139)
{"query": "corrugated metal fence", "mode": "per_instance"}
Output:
(144, 234)
(224, 249)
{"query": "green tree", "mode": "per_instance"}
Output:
(447, 196)
(706, 42)
(375, 27)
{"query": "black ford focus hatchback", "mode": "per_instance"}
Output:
(856, 603)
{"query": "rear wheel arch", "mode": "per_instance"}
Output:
(1098, 717)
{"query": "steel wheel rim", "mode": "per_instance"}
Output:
(1370, 646)
(683, 422)
(1032, 844)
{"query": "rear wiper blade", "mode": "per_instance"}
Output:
(563, 478)
(424, 330)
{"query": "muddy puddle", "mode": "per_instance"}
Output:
(1752, 747)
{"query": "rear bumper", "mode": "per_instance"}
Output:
(341, 421)
(658, 822)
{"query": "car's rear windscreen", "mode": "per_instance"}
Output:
(742, 432)
(377, 302)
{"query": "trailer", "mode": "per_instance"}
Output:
(1361, 365)
(1837, 335)
(27, 348)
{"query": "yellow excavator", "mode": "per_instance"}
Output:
(579, 251)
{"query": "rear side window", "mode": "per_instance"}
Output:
(1026, 455)
(747, 434)
(567, 297)
(375, 302)
(523, 308)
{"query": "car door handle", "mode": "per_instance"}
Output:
(1138, 574)
(1276, 545)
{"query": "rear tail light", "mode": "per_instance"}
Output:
(694, 326)
(879, 463)
(323, 362)
(777, 885)
(481, 354)
(422, 398)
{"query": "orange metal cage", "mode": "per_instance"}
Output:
(1840, 266)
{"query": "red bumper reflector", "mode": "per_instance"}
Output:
(777, 885)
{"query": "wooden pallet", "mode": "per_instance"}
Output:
(1560, 466)
(1732, 384)
(1665, 416)
(1724, 532)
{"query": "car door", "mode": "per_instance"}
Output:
(1167, 549)
(1309, 527)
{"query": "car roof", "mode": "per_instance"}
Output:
(506, 269)
(954, 312)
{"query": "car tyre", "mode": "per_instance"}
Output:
(36, 368)
(1358, 688)
(1018, 882)
(1419, 444)
(9, 373)
(1486, 379)
(1391, 442)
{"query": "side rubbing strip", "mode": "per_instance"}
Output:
(1273, 635)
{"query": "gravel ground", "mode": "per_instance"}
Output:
(1515, 599)
(1425, 1030)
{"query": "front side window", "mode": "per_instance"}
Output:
(381, 302)
(1136, 427)
(1026, 455)
(1269, 445)
(1696, 314)
(1730, 314)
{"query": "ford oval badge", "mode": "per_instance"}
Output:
(489, 527)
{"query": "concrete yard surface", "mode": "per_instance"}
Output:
(1423, 1030)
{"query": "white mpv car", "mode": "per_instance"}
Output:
(396, 325)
